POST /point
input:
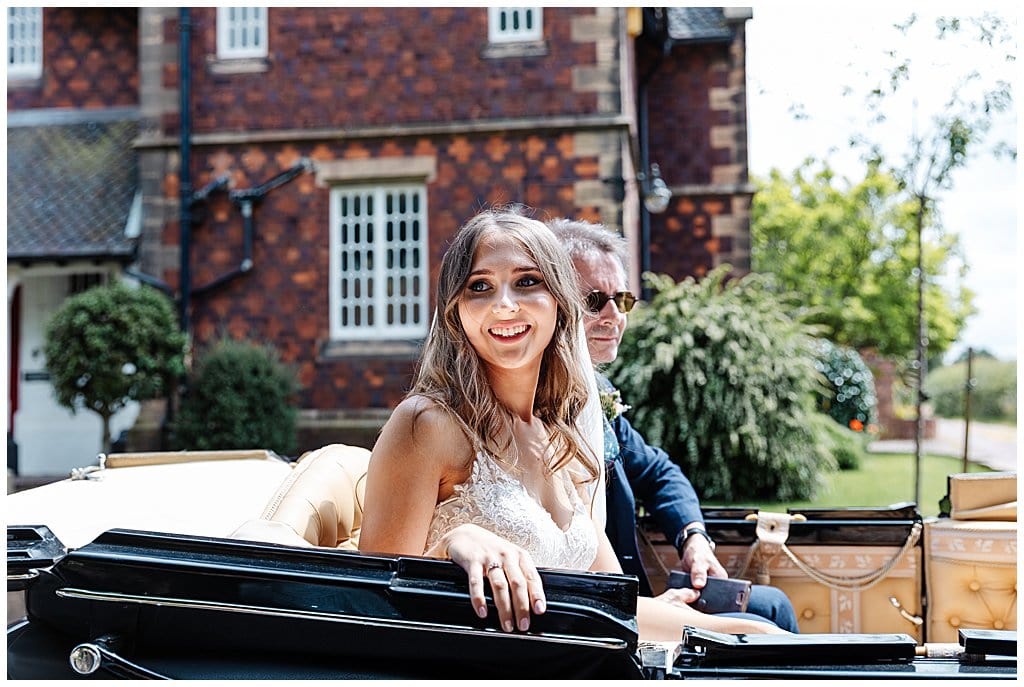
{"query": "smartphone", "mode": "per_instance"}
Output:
(719, 595)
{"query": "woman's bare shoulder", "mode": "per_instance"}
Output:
(421, 426)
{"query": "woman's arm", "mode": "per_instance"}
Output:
(406, 468)
(421, 450)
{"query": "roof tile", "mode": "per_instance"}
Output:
(70, 189)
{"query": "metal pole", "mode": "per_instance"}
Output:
(967, 401)
(645, 215)
(922, 344)
(185, 206)
(185, 173)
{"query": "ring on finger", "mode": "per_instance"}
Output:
(493, 565)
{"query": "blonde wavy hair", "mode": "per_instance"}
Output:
(452, 375)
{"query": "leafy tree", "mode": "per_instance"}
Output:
(240, 396)
(111, 345)
(848, 251)
(936, 148)
(993, 389)
(724, 381)
(978, 354)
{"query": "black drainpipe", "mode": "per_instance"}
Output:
(185, 173)
(185, 210)
(645, 164)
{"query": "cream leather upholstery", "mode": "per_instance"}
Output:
(971, 559)
(319, 504)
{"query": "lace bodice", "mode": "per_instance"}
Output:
(496, 501)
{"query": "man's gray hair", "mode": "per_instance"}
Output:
(582, 239)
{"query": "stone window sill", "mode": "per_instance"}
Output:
(395, 350)
(15, 83)
(497, 51)
(240, 65)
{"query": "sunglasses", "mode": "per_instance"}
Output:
(624, 301)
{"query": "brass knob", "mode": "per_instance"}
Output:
(974, 585)
(807, 614)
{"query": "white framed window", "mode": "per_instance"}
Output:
(514, 24)
(24, 42)
(241, 32)
(379, 282)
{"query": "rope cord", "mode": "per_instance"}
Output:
(839, 582)
(860, 582)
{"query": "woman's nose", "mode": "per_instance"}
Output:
(505, 301)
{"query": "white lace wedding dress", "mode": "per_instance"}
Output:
(496, 501)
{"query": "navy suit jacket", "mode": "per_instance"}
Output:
(641, 471)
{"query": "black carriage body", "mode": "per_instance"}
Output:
(192, 607)
(167, 605)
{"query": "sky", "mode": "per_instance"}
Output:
(803, 54)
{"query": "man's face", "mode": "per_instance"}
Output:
(605, 328)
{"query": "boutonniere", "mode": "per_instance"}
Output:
(612, 405)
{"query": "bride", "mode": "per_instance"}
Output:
(490, 460)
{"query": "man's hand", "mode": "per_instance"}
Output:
(699, 560)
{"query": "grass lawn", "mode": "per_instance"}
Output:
(882, 480)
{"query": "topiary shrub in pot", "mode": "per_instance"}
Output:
(111, 345)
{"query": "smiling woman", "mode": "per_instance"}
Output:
(488, 461)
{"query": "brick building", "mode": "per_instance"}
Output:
(333, 152)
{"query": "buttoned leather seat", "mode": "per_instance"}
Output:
(319, 504)
(971, 558)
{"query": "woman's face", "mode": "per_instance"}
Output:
(505, 307)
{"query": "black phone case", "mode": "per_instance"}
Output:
(720, 594)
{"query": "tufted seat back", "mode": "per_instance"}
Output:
(319, 504)
(971, 558)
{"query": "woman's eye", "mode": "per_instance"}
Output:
(530, 281)
(477, 286)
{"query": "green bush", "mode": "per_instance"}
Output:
(239, 397)
(994, 396)
(846, 447)
(850, 398)
(110, 345)
(720, 378)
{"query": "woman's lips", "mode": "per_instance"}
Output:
(508, 333)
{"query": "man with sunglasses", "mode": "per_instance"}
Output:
(635, 468)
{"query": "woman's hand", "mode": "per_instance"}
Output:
(515, 583)
(681, 596)
(770, 629)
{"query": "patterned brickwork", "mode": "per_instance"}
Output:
(284, 299)
(90, 60)
(342, 68)
(347, 67)
(680, 112)
(697, 119)
(683, 243)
